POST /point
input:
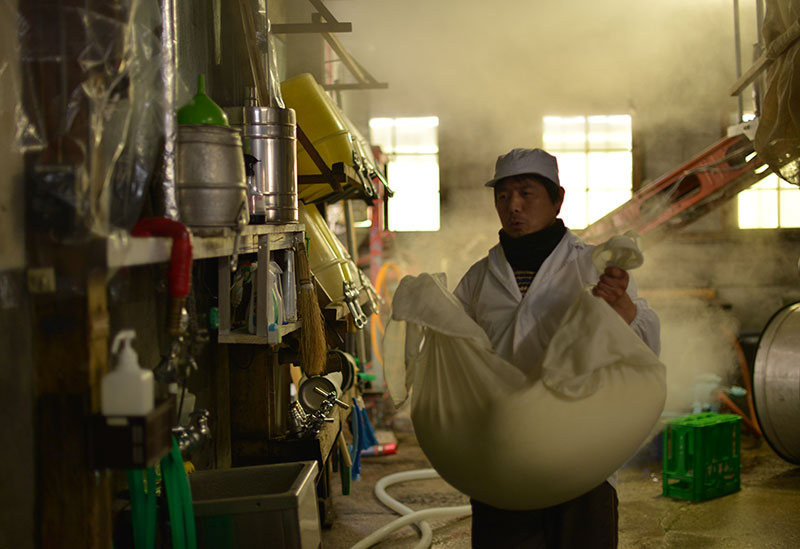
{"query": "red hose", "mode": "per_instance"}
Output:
(180, 266)
(751, 419)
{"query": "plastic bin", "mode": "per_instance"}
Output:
(257, 507)
(701, 456)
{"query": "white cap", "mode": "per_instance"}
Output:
(526, 161)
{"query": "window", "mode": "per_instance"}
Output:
(769, 204)
(412, 146)
(595, 164)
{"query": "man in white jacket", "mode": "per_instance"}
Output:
(518, 294)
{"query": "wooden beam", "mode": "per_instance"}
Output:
(775, 49)
(310, 28)
(347, 87)
(323, 11)
(750, 75)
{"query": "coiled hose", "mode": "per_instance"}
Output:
(409, 516)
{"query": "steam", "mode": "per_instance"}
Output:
(491, 71)
(697, 347)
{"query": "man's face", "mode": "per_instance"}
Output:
(524, 206)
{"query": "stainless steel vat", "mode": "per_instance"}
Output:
(776, 383)
(212, 186)
(270, 135)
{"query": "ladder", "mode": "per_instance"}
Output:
(684, 195)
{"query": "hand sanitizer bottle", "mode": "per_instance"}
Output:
(128, 390)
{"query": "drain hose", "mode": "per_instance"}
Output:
(409, 516)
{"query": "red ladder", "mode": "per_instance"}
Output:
(684, 195)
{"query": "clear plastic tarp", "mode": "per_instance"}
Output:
(778, 136)
(89, 110)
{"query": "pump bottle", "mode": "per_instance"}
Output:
(128, 390)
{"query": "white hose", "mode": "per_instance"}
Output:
(409, 516)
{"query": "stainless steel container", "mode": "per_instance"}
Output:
(776, 383)
(211, 182)
(259, 506)
(269, 134)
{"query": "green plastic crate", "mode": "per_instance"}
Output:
(701, 456)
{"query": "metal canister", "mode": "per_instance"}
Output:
(269, 135)
(211, 181)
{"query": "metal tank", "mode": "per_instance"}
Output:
(776, 383)
(269, 136)
(211, 182)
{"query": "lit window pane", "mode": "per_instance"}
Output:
(405, 135)
(603, 202)
(381, 135)
(415, 204)
(770, 182)
(413, 172)
(564, 133)
(758, 209)
(595, 163)
(574, 208)
(790, 205)
(415, 139)
(610, 132)
(572, 171)
(610, 171)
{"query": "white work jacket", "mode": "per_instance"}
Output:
(520, 327)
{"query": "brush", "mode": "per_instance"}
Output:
(313, 348)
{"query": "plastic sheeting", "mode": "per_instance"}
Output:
(778, 136)
(89, 112)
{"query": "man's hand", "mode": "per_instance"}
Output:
(611, 287)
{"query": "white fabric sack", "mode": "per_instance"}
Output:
(502, 438)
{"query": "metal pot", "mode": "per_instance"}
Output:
(269, 135)
(211, 181)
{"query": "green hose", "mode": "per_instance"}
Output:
(179, 500)
(143, 507)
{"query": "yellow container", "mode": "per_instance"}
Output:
(324, 257)
(331, 132)
(323, 124)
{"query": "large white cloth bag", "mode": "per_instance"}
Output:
(500, 437)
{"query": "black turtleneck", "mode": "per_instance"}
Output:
(528, 252)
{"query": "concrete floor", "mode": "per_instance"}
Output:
(764, 514)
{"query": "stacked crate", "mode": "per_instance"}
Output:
(701, 456)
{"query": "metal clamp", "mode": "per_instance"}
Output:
(351, 299)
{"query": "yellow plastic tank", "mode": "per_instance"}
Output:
(324, 256)
(323, 124)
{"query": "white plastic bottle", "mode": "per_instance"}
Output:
(128, 390)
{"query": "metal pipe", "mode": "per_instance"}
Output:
(738, 47)
(352, 247)
(168, 71)
(757, 51)
(760, 23)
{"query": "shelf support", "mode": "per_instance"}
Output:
(264, 281)
(331, 24)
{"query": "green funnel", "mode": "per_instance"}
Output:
(202, 109)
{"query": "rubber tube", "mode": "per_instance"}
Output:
(138, 508)
(426, 534)
(151, 507)
(409, 516)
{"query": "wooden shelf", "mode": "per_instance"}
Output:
(123, 250)
(343, 180)
(273, 337)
